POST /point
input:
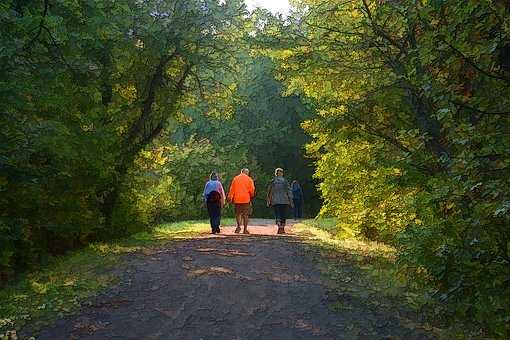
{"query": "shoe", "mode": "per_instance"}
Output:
(238, 230)
(281, 230)
(245, 231)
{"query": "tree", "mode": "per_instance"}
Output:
(87, 87)
(422, 88)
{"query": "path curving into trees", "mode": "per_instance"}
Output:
(228, 286)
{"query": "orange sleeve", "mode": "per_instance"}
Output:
(231, 190)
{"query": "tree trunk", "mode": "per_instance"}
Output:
(427, 125)
(141, 133)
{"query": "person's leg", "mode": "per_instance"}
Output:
(216, 217)
(297, 209)
(219, 220)
(210, 211)
(216, 224)
(281, 218)
(245, 224)
(239, 221)
(300, 209)
(276, 215)
(211, 222)
(246, 217)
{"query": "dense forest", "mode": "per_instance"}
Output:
(393, 114)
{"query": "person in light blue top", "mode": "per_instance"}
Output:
(214, 198)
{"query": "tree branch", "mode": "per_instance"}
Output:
(41, 26)
(461, 104)
(473, 64)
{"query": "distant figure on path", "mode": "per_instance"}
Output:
(279, 197)
(214, 198)
(242, 190)
(297, 199)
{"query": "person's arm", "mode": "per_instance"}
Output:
(231, 191)
(252, 188)
(222, 192)
(269, 194)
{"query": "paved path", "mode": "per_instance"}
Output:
(227, 286)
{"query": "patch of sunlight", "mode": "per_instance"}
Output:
(19, 297)
(70, 281)
(214, 270)
(39, 288)
(179, 230)
(333, 226)
(112, 248)
(350, 244)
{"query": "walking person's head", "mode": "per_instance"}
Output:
(278, 172)
(245, 171)
(295, 184)
(214, 176)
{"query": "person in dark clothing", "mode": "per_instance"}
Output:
(214, 198)
(297, 199)
(279, 197)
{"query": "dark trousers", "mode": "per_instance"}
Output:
(214, 210)
(298, 209)
(280, 213)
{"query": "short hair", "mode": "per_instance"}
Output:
(213, 176)
(245, 171)
(277, 170)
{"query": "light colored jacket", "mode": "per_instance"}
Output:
(279, 192)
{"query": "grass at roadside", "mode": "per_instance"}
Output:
(374, 260)
(59, 288)
(374, 267)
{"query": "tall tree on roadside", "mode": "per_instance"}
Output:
(412, 133)
(188, 47)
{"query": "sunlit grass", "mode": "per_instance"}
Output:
(59, 288)
(333, 226)
(375, 261)
(323, 232)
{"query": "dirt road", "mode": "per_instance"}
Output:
(228, 286)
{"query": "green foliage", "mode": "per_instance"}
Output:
(86, 88)
(115, 112)
(263, 133)
(412, 135)
(169, 179)
(362, 194)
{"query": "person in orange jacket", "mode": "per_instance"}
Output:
(242, 190)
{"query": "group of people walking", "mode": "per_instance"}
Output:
(280, 196)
